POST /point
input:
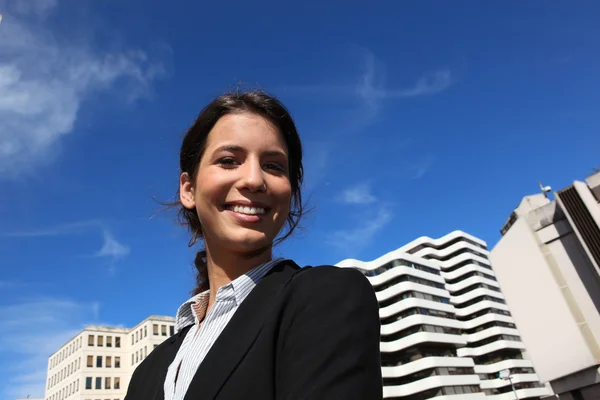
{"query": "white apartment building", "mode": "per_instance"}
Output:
(548, 263)
(446, 331)
(98, 362)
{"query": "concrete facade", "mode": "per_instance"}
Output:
(548, 265)
(446, 331)
(98, 362)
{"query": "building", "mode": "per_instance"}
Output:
(445, 328)
(548, 263)
(98, 362)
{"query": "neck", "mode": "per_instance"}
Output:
(225, 266)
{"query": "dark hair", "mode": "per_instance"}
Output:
(194, 143)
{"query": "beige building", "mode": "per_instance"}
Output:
(98, 362)
(548, 265)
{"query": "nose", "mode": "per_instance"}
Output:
(253, 176)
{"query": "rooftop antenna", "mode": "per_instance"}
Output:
(545, 189)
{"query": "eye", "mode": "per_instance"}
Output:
(227, 162)
(275, 167)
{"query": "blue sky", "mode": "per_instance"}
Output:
(418, 118)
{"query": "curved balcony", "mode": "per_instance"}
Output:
(473, 294)
(442, 242)
(420, 338)
(486, 333)
(402, 287)
(456, 287)
(413, 320)
(426, 363)
(372, 268)
(430, 383)
(452, 251)
(521, 393)
(465, 269)
(403, 270)
(489, 348)
(516, 378)
(483, 304)
(448, 266)
(413, 302)
(487, 318)
(505, 364)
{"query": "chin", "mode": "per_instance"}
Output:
(249, 242)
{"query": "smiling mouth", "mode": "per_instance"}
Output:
(247, 210)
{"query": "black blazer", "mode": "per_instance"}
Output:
(310, 333)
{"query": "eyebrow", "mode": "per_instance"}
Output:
(239, 149)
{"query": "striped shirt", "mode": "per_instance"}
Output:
(201, 338)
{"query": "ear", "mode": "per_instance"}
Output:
(186, 191)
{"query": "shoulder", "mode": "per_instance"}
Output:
(331, 282)
(327, 275)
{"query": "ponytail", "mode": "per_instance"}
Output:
(201, 273)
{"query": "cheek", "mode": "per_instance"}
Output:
(209, 188)
(285, 198)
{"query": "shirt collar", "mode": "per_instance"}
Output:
(241, 288)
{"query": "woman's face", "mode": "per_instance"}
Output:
(242, 191)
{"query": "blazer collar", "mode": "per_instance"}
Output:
(239, 334)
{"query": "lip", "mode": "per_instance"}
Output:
(247, 218)
(248, 203)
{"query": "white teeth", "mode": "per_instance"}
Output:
(247, 210)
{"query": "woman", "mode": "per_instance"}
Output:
(257, 327)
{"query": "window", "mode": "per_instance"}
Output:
(109, 341)
(145, 351)
(136, 336)
(155, 329)
(98, 361)
(77, 385)
(117, 362)
(91, 340)
(98, 383)
(145, 331)
(117, 341)
(107, 383)
(88, 382)
(172, 330)
(100, 341)
(108, 361)
(136, 356)
(117, 382)
(132, 359)
(132, 339)
(163, 330)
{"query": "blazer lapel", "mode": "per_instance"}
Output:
(167, 358)
(239, 334)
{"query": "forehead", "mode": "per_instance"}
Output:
(245, 129)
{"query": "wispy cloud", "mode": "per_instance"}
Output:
(367, 223)
(352, 241)
(371, 86)
(28, 337)
(112, 248)
(45, 78)
(421, 168)
(358, 194)
(58, 230)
